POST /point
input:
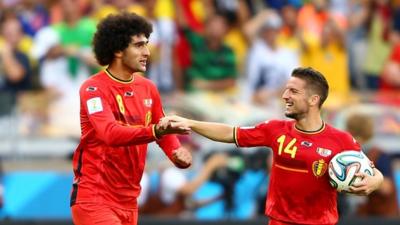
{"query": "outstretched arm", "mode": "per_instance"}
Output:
(214, 131)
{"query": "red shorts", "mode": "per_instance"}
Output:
(88, 214)
(278, 222)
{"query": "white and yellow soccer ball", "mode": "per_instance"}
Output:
(344, 166)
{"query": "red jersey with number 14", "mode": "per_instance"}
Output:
(299, 190)
(117, 123)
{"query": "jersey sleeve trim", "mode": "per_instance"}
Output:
(153, 131)
(235, 136)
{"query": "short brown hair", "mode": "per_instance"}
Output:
(360, 126)
(315, 82)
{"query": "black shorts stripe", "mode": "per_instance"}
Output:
(74, 194)
(78, 173)
(79, 167)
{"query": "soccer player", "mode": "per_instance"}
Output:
(299, 190)
(120, 111)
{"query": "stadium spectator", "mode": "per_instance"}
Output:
(177, 186)
(212, 63)
(15, 67)
(326, 52)
(378, 48)
(120, 110)
(301, 149)
(312, 18)
(66, 61)
(289, 34)
(162, 42)
(33, 15)
(268, 63)
(390, 78)
(383, 201)
(357, 41)
(56, 9)
(237, 13)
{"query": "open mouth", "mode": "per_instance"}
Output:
(143, 62)
(289, 104)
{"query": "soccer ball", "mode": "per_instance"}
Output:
(344, 165)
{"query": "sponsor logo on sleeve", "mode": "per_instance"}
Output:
(94, 105)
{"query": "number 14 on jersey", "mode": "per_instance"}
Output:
(289, 148)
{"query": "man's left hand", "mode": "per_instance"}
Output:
(368, 183)
(182, 158)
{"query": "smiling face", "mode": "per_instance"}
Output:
(298, 99)
(134, 57)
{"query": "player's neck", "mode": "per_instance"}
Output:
(310, 124)
(119, 73)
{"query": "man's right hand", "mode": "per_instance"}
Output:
(175, 122)
(168, 125)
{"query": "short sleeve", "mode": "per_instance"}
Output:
(349, 142)
(259, 135)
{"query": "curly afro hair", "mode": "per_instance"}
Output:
(115, 32)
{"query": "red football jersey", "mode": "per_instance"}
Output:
(117, 123)
(299, 189)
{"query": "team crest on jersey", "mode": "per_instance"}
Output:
(148, 118)
(148, 102)
(319, 167)
(91, 89)
(324, 152)
(306, 143)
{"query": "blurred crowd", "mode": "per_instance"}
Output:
(220, 60)
(235, 53)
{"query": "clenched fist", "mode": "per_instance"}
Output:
(182, 158)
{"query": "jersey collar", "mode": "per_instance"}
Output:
(322, 128)
(114, 78)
